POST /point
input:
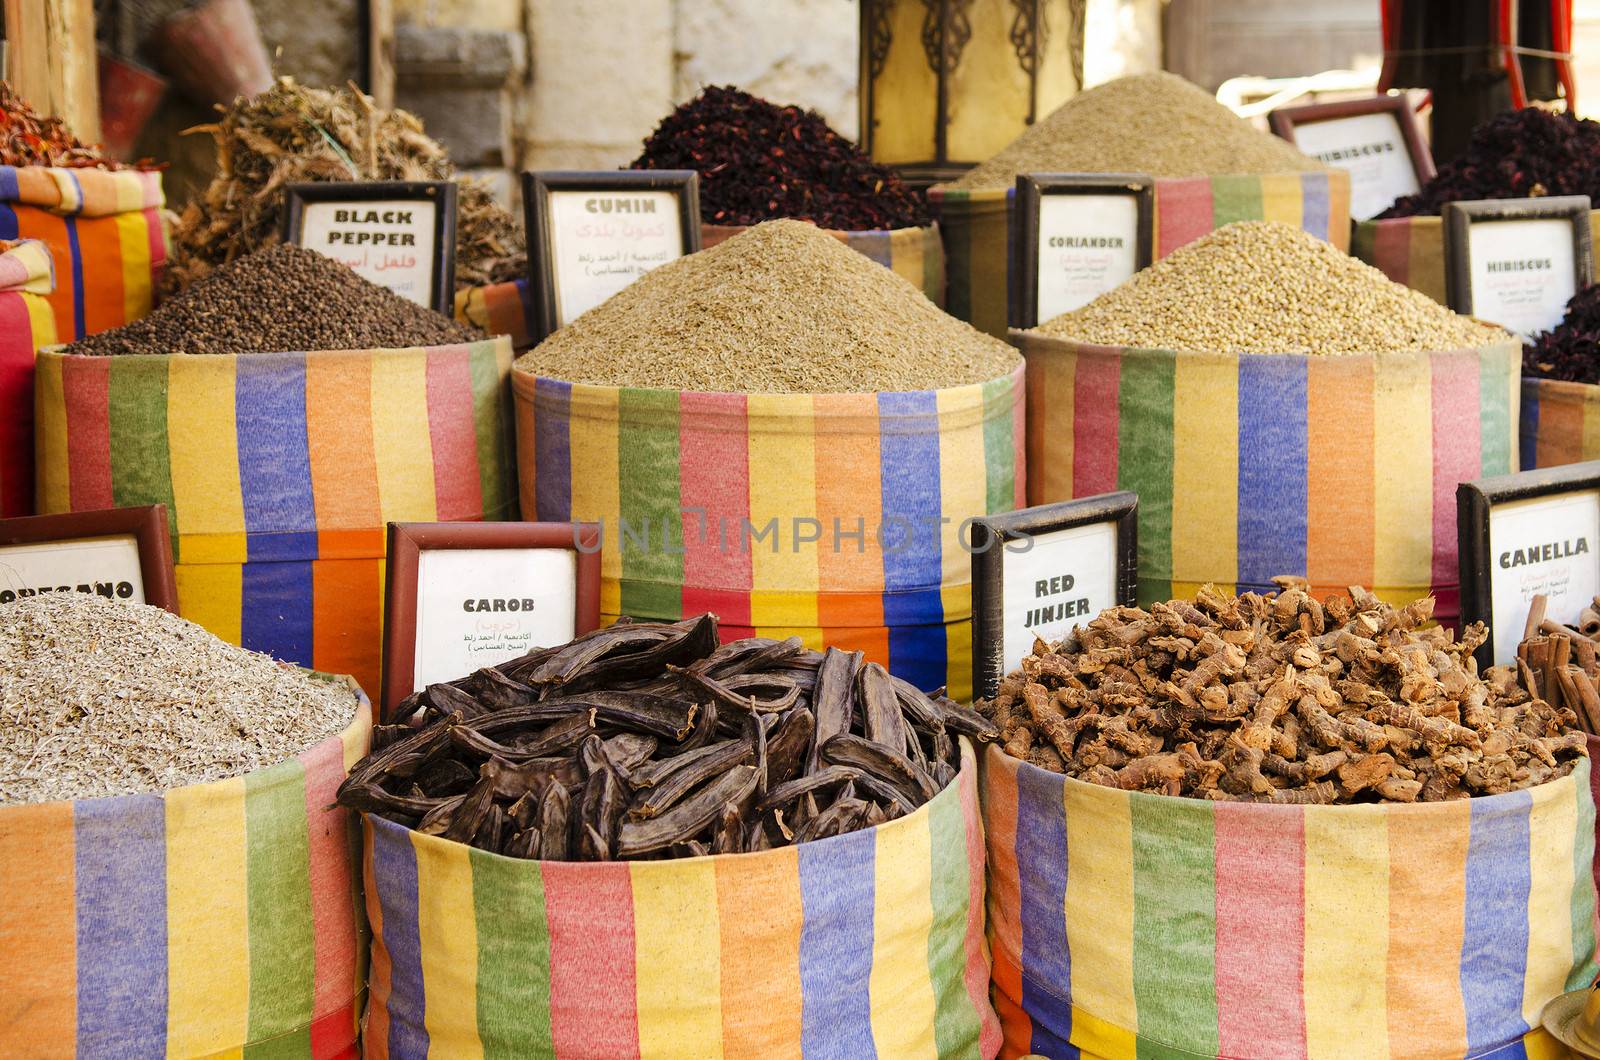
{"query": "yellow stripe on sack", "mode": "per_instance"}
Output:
(783, 486)
(1283, 199)
(1402, 427)
(203, 447)
(1100, 890)
(1540, 1044)
(41, 321)
(208, 934)
(1552, 822)
(402, 446)
(1102, 1040)
(54, 486)
(810, 636)
(958, 643)
(963, 481)
(448, 943)
(1346, 932)
(907, 251)
(1205, 462)
(593, 432)
(211, 595)
(133, 236)
(677, 967)
(1591, 424)
(1051, 394)
(900, 990)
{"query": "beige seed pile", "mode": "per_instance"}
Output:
(781, 309)
(1265, 287)
(1157, 123)
(100, 697)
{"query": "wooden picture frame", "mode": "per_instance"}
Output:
(991, 536)
(1477, 562)
(537, 188)
(1459, 217)
(147, 525)
(1031, 189)
(407, 543)
(442, 193)
(1286, 120)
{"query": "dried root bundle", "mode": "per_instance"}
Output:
(1281, 698)
(1559, 663)
(649, 740)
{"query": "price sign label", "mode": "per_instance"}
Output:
(1517, 262)
(118, 553)
(1376, 140)
(397, 234)
(1079, 235)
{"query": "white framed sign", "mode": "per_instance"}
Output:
(1037, 573)
(1517, 262)
(396, 234)
(1376, 140)
(1078, 236)
(117, 553)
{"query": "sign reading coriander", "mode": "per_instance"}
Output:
(592, 234)
(462, 596)
(1078, 236)
(118, 553)
(1517, 262)
(1523, 535)
(1376, 140)
(1039, 572)
(397, 234)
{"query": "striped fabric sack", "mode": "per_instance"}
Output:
(861, 943)
(809, 514)
(1409, 250)
(1125, 924)
(498, 309)
(104, 232)
(279, 472)
(917, 254)
(27, 277)
(1560, 422)
(210, 920)
(977, 227)
(1340, 469)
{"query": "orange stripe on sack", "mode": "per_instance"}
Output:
(1339, 472)
(38, 929)
(1425, 933)
(1561, 423)
(760, 1014)
(346, 619)
(344, 469)
(100, 243)
(849, 570)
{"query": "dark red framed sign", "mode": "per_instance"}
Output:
(120, 553)
(462, 596)
(1376, 139)
(400, 234)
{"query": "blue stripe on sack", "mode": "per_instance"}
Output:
(1272, 467)
(1494, 947)
(274, 455)
(10, 187)
(10, 229)
(552, 441)
(528, 326)
(77, 274)
(1528, 432)
(1315, 207)
(836, 895)
(394, 871)
(1517, 1050)
(919, 654)
(908, 470)
(1042, 883)
(120, 861)
(275, 613)
(876, 245)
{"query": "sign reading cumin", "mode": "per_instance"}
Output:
(1517, 262)
(462, 596)
(592, 234)
(1078, 236)
(1039, 572)
(397, 234)
(1524, 535)
(1376, 140)
(118, 553)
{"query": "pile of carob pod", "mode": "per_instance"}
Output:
(649, 740)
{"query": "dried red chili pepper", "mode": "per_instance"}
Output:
(28, 139)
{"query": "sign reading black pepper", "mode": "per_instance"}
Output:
(397, 234)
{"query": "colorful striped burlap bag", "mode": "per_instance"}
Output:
(977, 224)
(498, 309)
(1560, 422)
(219, 919)
(1340, 469)
(279, 472)
(837, 517)
(104, 232)
(917, 254)
(1409, 250)
(27, 277)
(1130, 925)
(861, 944)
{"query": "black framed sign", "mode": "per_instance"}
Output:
(118, 553)
(1516, 262)
(1522, 535)
(462, 596)
(1078, 236)
(399, 234)
(1038, 572)
(590, 234)
(1377, 140)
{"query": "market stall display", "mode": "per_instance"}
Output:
(1560, 395)
(649, 742)
(772, 429)
(26, 324)
(1200, 896)
(174, 876)
(1280, 408)
(1211, 168)
(279, 470)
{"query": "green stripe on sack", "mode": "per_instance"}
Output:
(999, 445)
(956, 1026)
(1174, 921)
(1583, 897)
(1363, 239)
(652, 526)
(141, 466)
(1499, 384)
(1235, 198)
(513, 957)
(493, 425)
(283, 945)
(1144, 461)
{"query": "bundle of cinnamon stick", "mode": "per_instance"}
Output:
(1558, 663)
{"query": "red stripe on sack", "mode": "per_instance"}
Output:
(86, 386)
(977, 970)
(457, 489)
(593, 983)
(1005, 902)
(1095, 423)
(1391, 248)
(380, 973)
(16, 405)
(158, 242)
(1184, 213)
(1456, 456)
(333, 1034)
(1016, 1027)
(714, 476)
(1560, 427)
(333, 919)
